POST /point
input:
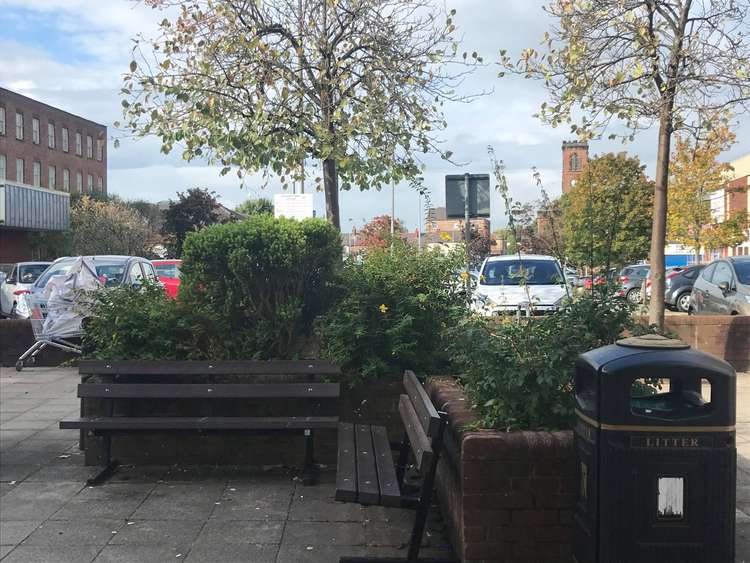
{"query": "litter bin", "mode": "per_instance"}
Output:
(656, 454)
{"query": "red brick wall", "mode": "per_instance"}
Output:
(30, 152)
(14, 246)
(568, 175)
(725, 337)
(506, 497)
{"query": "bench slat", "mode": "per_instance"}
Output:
(367, 475)
(426, 411)
(208, 390)
(346, 467)
(390, 495)
(420, 443)
(244, 367)
(200, 423)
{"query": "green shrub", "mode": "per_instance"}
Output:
(392, 310)
(144, 324)
(265, 278)
(520, 375)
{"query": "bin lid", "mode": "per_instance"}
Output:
(653, 342)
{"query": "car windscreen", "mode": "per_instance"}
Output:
(167, 270)
(31, 272)
(743, 272)
(109, 274)
(520, 272)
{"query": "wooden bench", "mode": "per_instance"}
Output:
(138, 381)
(367, 474)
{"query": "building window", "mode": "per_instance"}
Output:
(51, 135)
(52, 178)
(99, 150)
(2, 120)
(79, 183)
(575, 162)
(2, 167)
(19, 126)
(100, 184)
(19, 171)
(89, 147)
(65, 147)
(79, 144)
(35, 130)
(66, 180)
(90, 183)
(37, 169)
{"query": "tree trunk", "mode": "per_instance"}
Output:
(659, 222)
(331, 188)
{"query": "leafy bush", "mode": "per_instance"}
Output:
(266, 279)
(393, 308)
(520, 375)
(144, 324)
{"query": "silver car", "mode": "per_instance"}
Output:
(723, 288)
(19, 282)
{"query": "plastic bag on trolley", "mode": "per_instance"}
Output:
(67, 299)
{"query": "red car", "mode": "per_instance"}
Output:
(169, 274)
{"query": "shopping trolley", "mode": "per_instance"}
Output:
(54, 321)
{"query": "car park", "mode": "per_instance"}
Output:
(532, 283)
(169, 275)
(19, 282)
(722, 288)
(678, 285)
(599, 279)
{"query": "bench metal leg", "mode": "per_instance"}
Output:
(310, 471)
(109, 464)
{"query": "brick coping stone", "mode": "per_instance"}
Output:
(506, 496)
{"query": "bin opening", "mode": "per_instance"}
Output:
(668, 398)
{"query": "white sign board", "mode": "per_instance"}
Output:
(293, 206)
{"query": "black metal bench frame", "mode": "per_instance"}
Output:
(109, 424)
(367, 474)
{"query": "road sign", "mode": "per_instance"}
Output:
(293, 206)
(479, 195)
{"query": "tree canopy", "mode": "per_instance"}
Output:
(192, 211)
(377, 233)
(675, 63)
(260, 206)
(694, 175)
(607, 215)
(263, 85)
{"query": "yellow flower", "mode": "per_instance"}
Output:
(446, 237)
(464, 275)
(383, 308)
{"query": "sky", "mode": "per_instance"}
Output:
(72, 54)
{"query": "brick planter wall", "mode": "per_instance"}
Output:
(16, 337)
(506, 497)
(723, 336)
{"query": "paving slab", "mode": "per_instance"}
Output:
(175, 534)
(52, 554)
(139, 554)
(97, 531)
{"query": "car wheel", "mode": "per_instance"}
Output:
(683, 302)
(634, 296)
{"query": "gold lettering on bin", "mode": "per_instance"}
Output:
(666, 442)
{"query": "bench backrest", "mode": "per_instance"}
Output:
(240, 367)
(422, 422)
(208, 390)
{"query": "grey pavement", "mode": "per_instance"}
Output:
(158, 514)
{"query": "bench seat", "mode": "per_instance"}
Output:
(200, 423)
(365, 471)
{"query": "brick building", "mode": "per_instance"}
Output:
(45, 155)
(733, 199)
(575, 156)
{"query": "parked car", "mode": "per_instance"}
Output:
(113, 271)
(169, 275)
(600, 279)
(678, 284)
(722, 288)
(506, 284)
(19, 282)
(631, 279)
